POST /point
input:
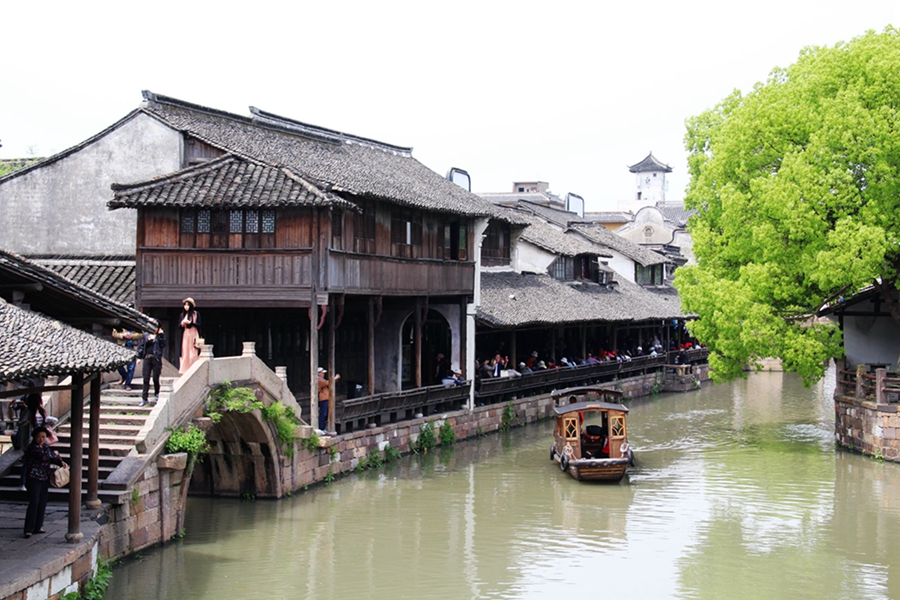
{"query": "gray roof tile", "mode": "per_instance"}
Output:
(518, 299)
(32, 345)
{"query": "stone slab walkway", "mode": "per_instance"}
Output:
(26, 562)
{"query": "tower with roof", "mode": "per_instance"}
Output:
(650, 183)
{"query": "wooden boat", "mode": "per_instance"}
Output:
(589, 441)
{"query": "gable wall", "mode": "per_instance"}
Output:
(60, 208)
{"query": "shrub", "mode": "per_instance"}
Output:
(447, 434)
(426, 440)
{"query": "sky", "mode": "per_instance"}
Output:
(570, 93)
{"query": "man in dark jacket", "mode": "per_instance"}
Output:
(150, 350)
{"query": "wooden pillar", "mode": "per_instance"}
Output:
(370, 348)
(464, 367)
(331, 370)
(513, 353)
(93, 498)
(417, 345)
(76, 463)
(582, 332)
(313, 364)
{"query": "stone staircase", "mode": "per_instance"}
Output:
(121, 419)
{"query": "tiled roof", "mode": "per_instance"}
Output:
(64, 298)
(517, 300)
(675, 212)
(32, 345)
(558, 216)
(616, 216)
(226, 182)
(331, 160)
(547, 237)
(649, 164)
(112, 277)
(601, 235)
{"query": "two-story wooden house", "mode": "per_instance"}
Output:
(325, 248)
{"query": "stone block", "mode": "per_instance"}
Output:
(172, 462)
(889, 433)
(81, 567)
(61, 580)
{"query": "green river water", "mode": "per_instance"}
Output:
(739, 492)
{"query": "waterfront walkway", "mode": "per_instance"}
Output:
(28, 562)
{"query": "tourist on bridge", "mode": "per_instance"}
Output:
(126, 338)
(189, 320)
(150, 351)
(324, 397)
(38, 460)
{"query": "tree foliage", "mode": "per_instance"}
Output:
(797, 188)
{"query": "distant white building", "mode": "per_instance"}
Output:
(650, 184)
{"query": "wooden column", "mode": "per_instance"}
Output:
(93, 498)
(417, 346)
(76, 463)
(464, 367)
(332, 374)
(313, 364)
(513, 361)
(370, 348)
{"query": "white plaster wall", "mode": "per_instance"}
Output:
(60, 208)
(532, 258)
(622, 265)
(451, 313)
(648, 227)
(871, 339)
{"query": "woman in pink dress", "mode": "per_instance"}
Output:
(190, 331)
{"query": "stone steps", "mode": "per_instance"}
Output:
(121, 419)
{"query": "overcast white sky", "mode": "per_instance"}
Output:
(564, 92)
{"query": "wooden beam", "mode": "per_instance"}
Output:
(22, 287)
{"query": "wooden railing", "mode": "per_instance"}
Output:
(365, 273)
(351, 414)
(879, 386)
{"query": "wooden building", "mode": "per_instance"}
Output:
(278, 229)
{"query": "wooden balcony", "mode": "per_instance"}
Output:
(282, 278)
(369, 274)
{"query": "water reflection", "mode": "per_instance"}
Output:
(738, 493)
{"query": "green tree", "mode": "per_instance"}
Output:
(797, 188)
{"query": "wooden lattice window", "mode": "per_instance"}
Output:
(570, 428)
(617, 426)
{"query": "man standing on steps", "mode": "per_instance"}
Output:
(150, 350)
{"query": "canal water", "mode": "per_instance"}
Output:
(739, 492)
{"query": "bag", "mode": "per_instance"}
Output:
(52, 438)
(60, 477)
(198, 343)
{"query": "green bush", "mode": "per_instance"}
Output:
(227, 398)
(426, 440)
(391, 454)
(447, 434)
(509, 416)
(286, 424)
(190, 439)
(311, 443)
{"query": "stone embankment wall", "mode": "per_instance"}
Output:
(149, 514)
(867, 427)
(865, 412)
